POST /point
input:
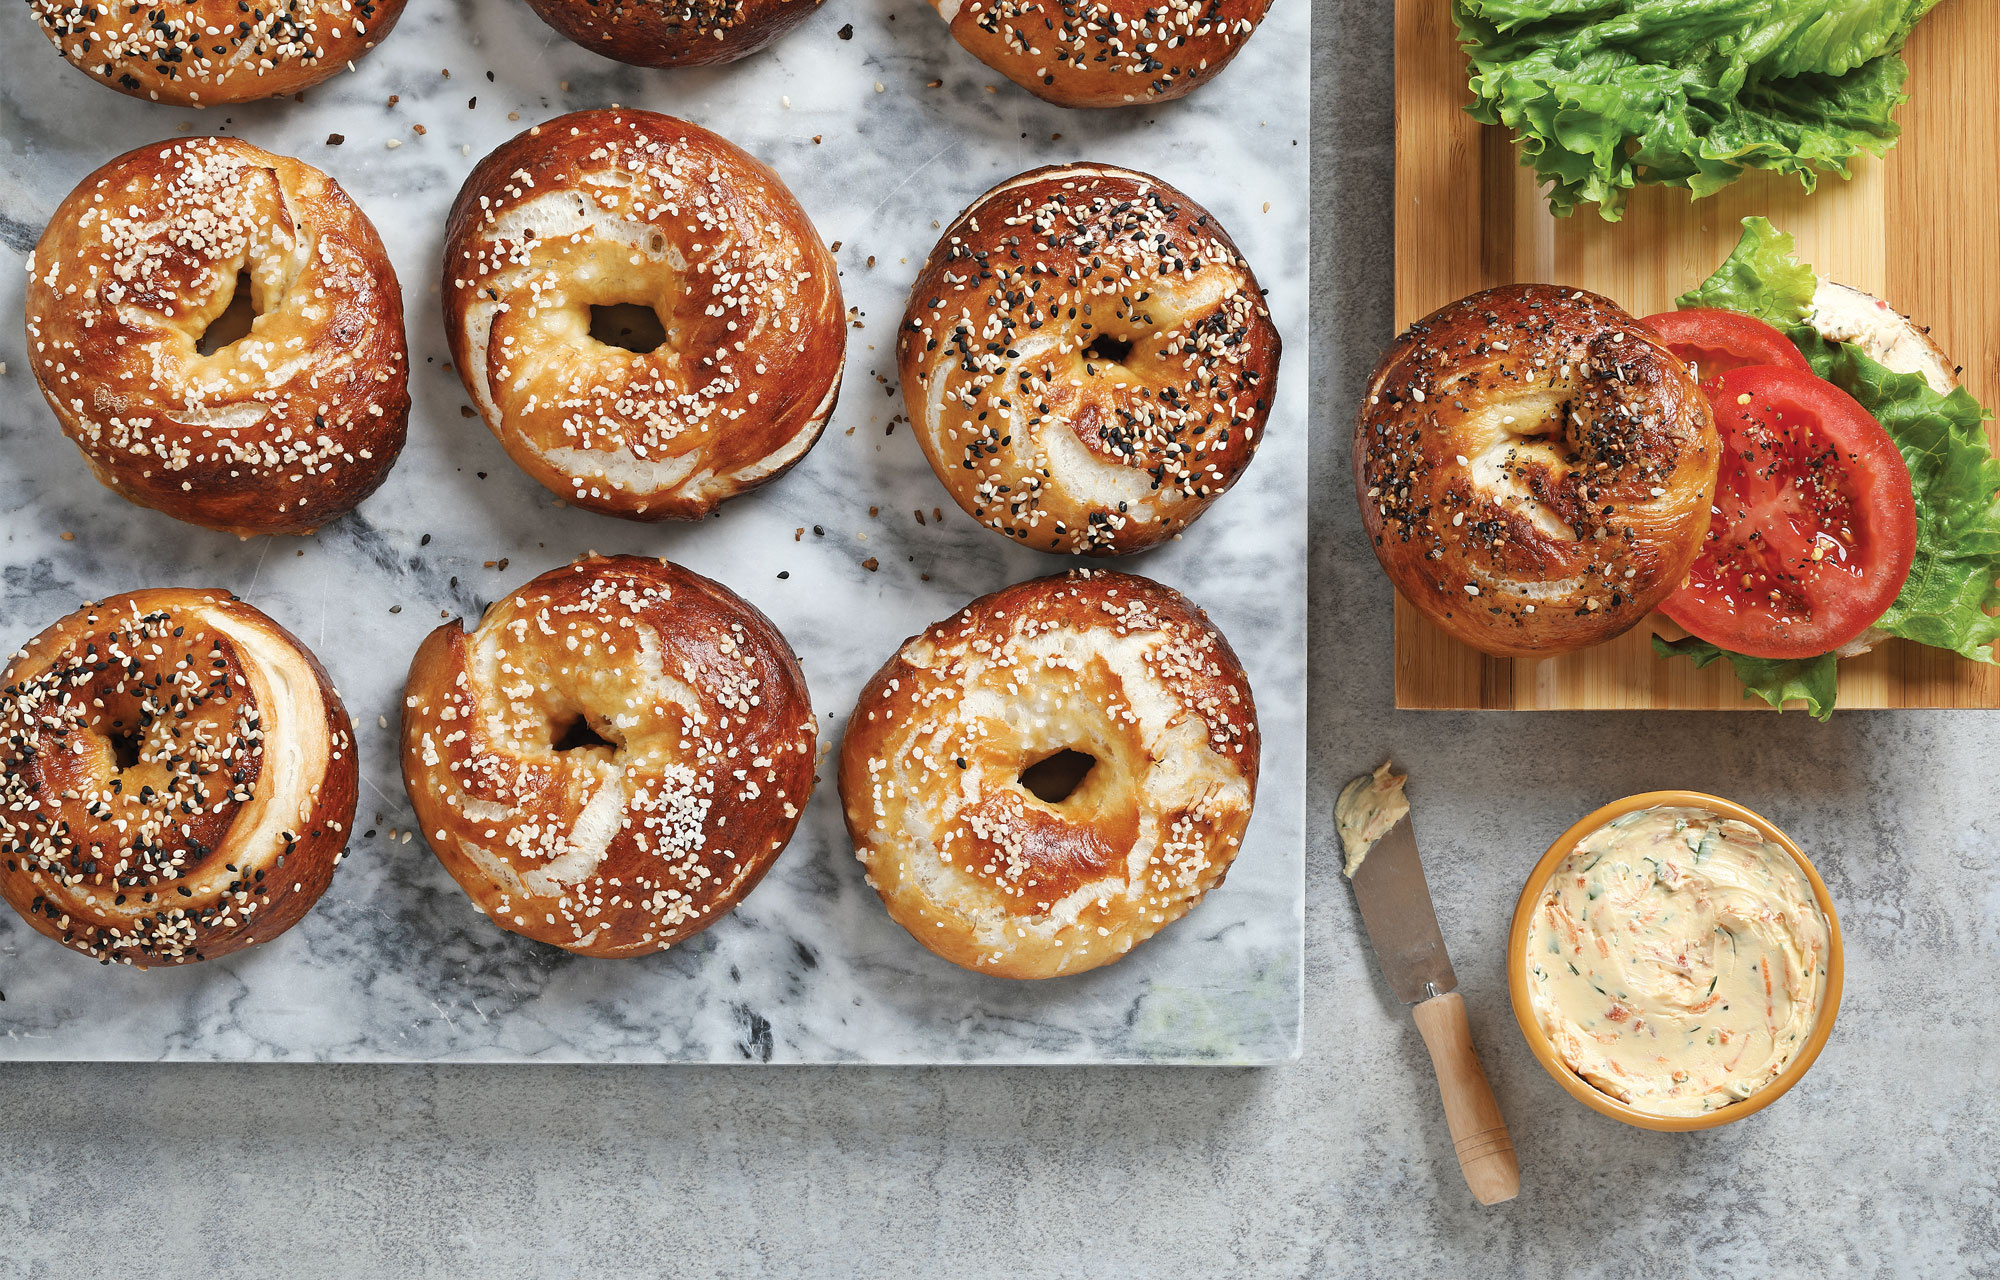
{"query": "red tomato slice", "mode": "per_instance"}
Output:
(1718, 341)
(1814, 525)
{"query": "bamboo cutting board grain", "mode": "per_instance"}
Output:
(1921, 228)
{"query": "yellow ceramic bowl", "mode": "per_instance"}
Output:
(1517, 966)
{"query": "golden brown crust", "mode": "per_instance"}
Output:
(1087, 360)
(288, 427)
(613, 759)
(603, 208)
(1535, 470)
(1104, 53)
(179, 778)
(982, 869)
(201, 53)
(674, 33)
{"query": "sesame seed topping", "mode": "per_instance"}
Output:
(629, 209)
(278, 431)
(1047, 777)
(613, 757)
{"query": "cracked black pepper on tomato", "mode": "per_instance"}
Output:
(1814, 524)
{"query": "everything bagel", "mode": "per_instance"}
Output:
(674, 33)
(1104, 53)
(178, 778)
(1535, 471)
(1087, 360)
(198, 53)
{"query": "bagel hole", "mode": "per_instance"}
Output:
(1108, 349)
(577, 735)
(1054, 779)
(631, 325)
(125, 744)
(234, 322)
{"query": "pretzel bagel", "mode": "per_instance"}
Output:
(1053, 774)
(1534, 469)
(179, 779)
(1087, 360)
(1103, 53)
(613, 758)
(279, 431)
(616, 207)
(200, 53)
(674, 33)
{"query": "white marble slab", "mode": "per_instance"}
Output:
(393, 965)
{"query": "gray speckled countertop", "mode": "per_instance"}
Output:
(1880, 1162)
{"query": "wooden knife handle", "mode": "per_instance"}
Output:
(1478, 1133)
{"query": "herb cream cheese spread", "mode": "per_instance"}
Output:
(1677, 960)
(1367, 809)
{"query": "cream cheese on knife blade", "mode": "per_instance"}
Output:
(1677, 960)
(1367, 808)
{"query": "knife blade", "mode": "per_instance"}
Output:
(1395, 902)
(1396, 907)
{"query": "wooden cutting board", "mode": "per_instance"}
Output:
(1920, 228)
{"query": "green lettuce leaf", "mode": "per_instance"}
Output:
(1761, 277)
(1606, 94)
(1947, 600)
(1777, 681)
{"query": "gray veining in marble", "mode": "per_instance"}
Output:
(393, 964)
(1880, 1164)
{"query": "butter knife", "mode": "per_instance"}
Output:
(1396, 907)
